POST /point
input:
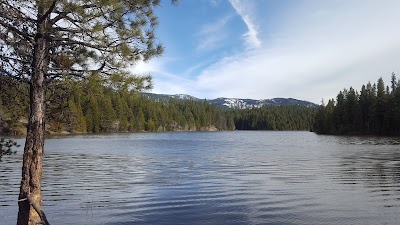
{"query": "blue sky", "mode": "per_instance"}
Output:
(304, 49)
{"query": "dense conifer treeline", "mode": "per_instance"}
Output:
(373, 110)
(275, 118)
(96, 106)
(93, 106)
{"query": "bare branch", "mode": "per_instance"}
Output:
(22, 34)
(47, 13)
(60, 16)
(12, 76)
(67, 41)
(63, 14)
(6, 58)
(13, 11)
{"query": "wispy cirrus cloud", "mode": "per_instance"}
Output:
(310, 50)
(213, 34)
(215, 3)
(314, 55)
(244, 12)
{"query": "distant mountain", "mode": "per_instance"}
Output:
(236, 103)
(163, 97)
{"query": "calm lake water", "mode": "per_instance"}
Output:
(213, 178)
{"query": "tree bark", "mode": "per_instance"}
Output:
(30, 197)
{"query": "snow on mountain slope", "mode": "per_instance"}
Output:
(237, 103)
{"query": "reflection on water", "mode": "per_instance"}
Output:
(377, 170)
(214, 178)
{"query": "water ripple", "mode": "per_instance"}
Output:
(214, 178)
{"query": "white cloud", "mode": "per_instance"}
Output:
(210, 42)
(215, 26)
(164, 81)
(251, 35)
(215, 3)
(213, 34)
(173, 85)
(314, 55)
(142, 67)
(318, 50)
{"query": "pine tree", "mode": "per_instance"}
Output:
(380, 106)
(108, 115)
(48, 40)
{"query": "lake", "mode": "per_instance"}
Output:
(239, 177)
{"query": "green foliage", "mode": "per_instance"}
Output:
(103, 36)
(48, 44)
(375, 110)
(95, 105)
(6, 147)
(274, 118)
(13, 106)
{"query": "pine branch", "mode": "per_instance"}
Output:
(22, 34)
(13, 76)
(63, 14)
(6, 58)
(67, 41)
(47, 13)
(74, 72)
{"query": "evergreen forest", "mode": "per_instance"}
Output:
(274, 118)
(94, 105)
(373, 110)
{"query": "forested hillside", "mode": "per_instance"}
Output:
(373, 110)
(96, 106)
(275, 118)
(93, 106)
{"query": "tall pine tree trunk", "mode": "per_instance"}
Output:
(30, 210)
